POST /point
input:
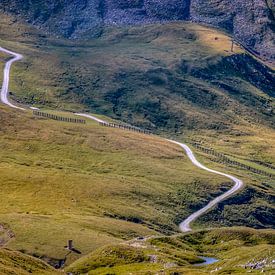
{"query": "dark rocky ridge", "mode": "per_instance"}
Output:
(251, 22)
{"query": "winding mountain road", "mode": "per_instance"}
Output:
(185, 226)
(6, 79)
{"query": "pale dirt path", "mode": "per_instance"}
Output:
(6, 79)
(185, 225)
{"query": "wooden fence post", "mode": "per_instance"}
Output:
(70, 244)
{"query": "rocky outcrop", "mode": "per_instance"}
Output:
(251, 22)
(144, 11)
(70, 19)
(169, 10)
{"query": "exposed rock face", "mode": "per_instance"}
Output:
(67, 18)
(169, 10)
(144, 11)
(251, 22)
(124, 12)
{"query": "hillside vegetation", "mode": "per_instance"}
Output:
(162, 77)
(92, 184)
(12, 262)
(98, 186)
(237, 250)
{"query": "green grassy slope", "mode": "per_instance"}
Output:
(93, 184)
(252, 144)
(179, 77)
(97, 186)
(164, 77)
(171, 78)
(12, 262)
(235, 248)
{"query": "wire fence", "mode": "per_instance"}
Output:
(221, 158)
(125, 127)
(59, 118)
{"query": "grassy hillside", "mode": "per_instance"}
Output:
(98, 186)
(12, 262)
(164, 77)
(171, 78)
(93, 184)
(252, 145)
(238, 251)
(235, 249)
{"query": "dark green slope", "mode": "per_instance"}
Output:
(161, 77)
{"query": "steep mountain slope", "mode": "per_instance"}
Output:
(251, 22)
(171, 77)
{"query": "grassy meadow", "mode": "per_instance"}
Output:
(93, 184)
